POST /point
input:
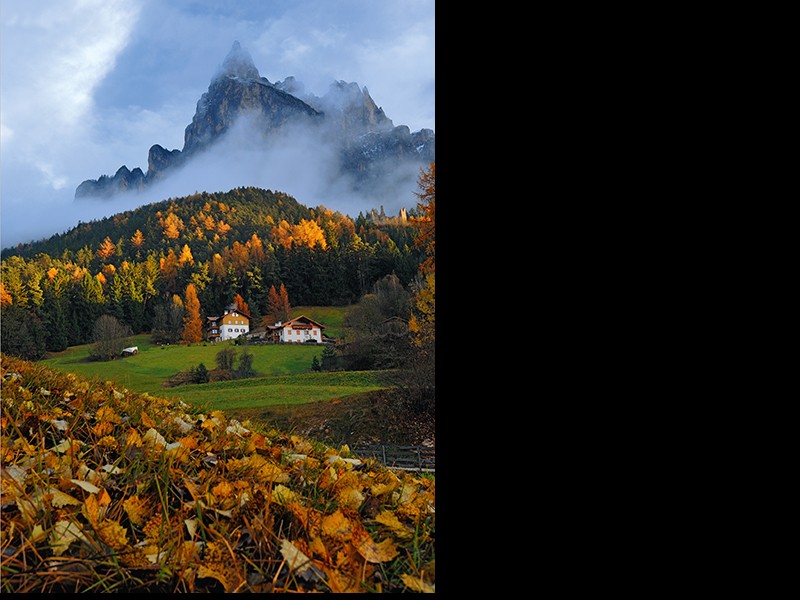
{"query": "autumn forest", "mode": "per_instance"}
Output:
(247, 244)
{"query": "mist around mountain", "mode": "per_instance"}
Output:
(340, 150)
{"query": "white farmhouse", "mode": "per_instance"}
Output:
(296, 331)
(230, 325)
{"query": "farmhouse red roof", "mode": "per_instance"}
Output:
(294, 325)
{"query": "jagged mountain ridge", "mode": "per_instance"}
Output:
(368, 145)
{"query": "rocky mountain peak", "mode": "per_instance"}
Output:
(370, 149)
(239, 63)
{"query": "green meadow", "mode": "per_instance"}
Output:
(284, 374)
(332, 317)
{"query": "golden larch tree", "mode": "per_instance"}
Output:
(256, 247)
(168, 265)
(5, 297)
(309, 233)
(107, 248)
(239, 258)
(223, 227)
(137, 239)
(172, 226)
(217, 269)
(186, 256)
(192, 324)
(282, 234)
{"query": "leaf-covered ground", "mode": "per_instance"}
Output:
(107, 490)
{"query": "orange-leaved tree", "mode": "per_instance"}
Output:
(241, 305)
(278, 308)
(192, 325)
(107, 248)
(423, 316)
(418, 385)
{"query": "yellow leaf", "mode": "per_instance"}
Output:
(337, 526)
(133, 438)
(417, 584)
(103, 499)
(222, 566)
(108, 441)
(190, 442)
(137, 509)
(191, 526)
(38, 534)
(375, 553)
(63, 534)
(222, 490)
(379, 489)
(299, 562)
(106, 413)
(91, 488)
(60, 498)
(103, 428)
(27, 510)
(113, 534)
(147, 421)
(342, 583)
(270, 472)
(188, 552)
(407, 494)
(63, 446)
(350, 497)
(389, 519)
(318, 547)
(283, 495)
(153, 438)
(91, 508)
(204, 571)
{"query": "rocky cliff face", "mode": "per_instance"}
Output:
(369, 146)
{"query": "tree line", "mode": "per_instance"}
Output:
(247, 243)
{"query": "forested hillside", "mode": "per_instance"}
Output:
(241, 242)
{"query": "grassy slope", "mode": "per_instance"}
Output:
(330, 316)
(285, 375)
(333, 407)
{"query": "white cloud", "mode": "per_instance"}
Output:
(53, 56)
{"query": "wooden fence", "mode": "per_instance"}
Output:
(407, 458)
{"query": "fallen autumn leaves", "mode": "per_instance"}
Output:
(107, 490)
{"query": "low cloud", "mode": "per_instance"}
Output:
(293, 160)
